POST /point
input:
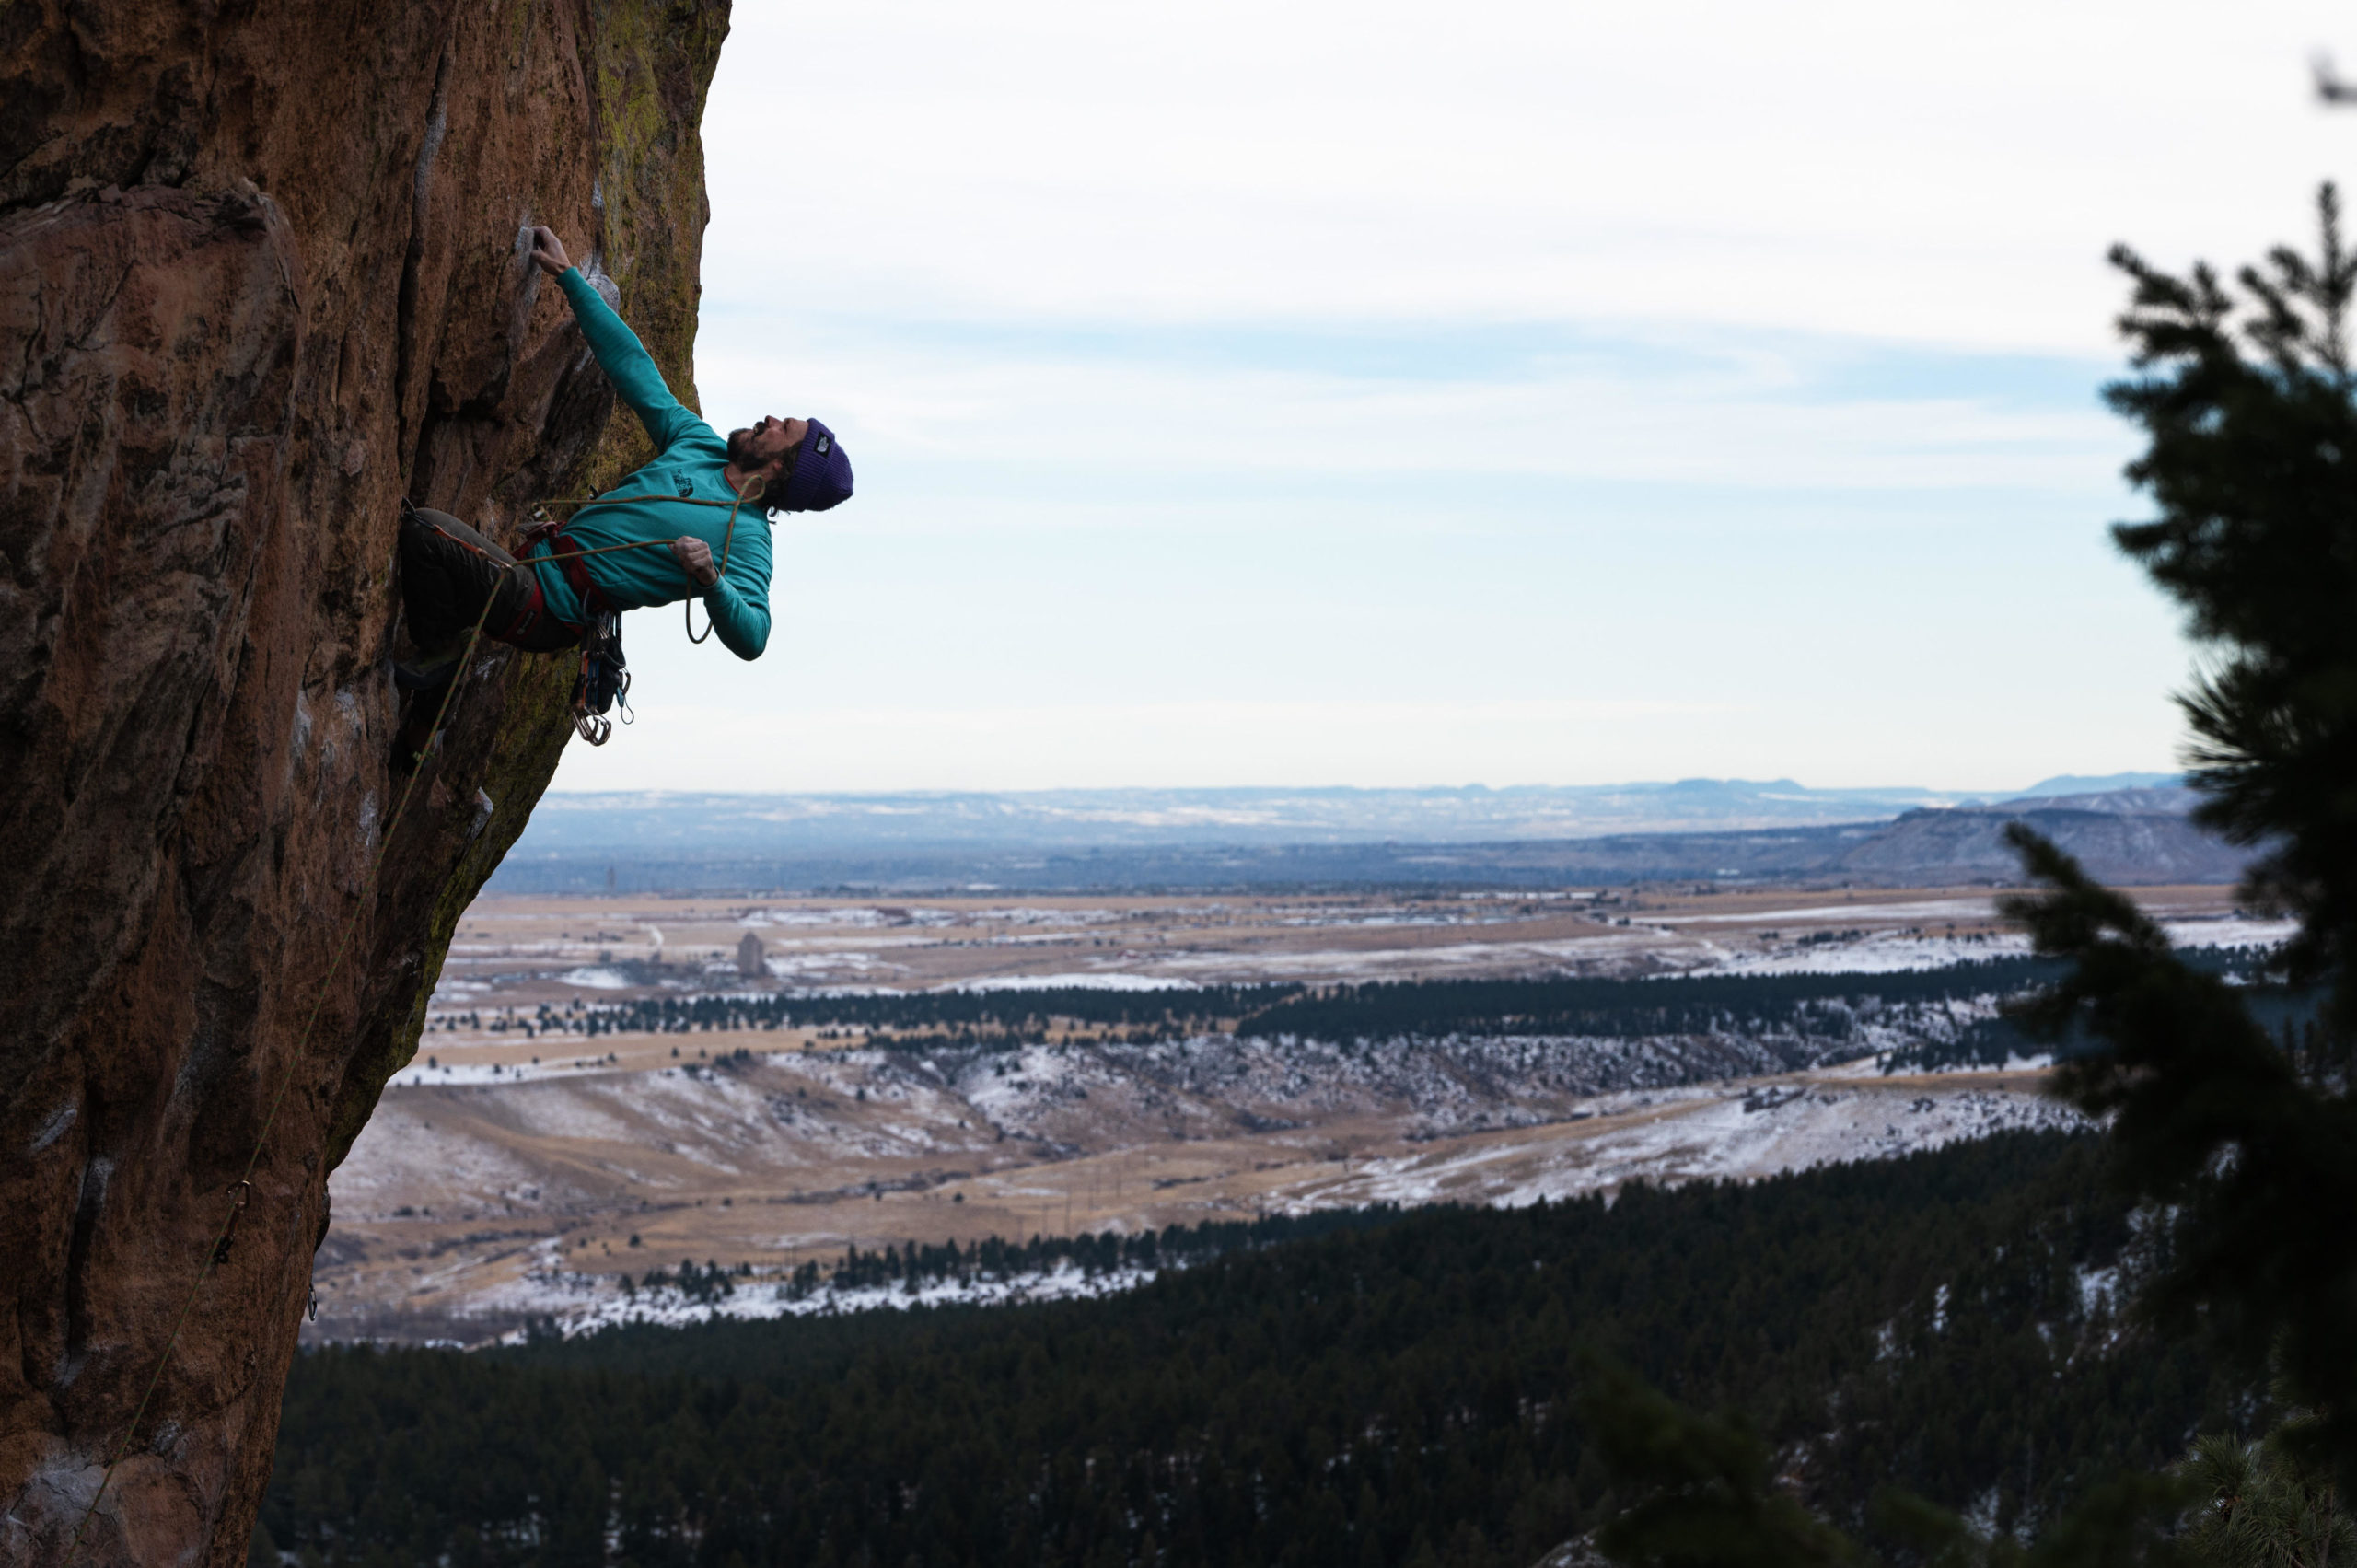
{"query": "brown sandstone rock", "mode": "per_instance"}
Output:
(259, 276)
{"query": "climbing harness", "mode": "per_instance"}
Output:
(579, 575)
(604, 676)
(616, 685)
(604, 680)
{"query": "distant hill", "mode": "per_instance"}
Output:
(1151, 839)
(2166, 800)
(2103, 784)
(931, 821)
(796, 826)
(2126, 836)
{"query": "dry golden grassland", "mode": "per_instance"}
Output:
(466, 1185)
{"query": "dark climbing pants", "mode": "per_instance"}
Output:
(443, 584)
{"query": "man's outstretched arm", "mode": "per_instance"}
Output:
(619, 354)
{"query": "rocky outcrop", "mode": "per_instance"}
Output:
(259, 276)
(2133, 847)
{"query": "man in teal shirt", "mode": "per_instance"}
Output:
(676, 529)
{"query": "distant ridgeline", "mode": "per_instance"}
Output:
(1398, 1393)
(2131, 828)
(1928, 1018)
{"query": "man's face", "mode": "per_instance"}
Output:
(756, 446)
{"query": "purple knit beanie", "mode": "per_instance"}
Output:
(821, 476)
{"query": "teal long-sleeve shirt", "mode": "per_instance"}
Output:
(689, 456)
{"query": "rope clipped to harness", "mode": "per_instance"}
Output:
(604, 678)
(753, 490)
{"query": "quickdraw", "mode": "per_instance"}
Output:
(604, 680)
(244, 1189)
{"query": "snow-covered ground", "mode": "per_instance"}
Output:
(1701, 1135)
(1884, 951)
(482, 1195)
(581, 1304)
(429, 1069)
(1091, 981)
(927, 943)
(1881, 952)
(1739, 1130)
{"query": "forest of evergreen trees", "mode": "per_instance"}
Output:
(1670, 1004)
(994, 1257)
(1821, 1009)
(1601, 1008)
(1400, 1391)
(1000, 1018)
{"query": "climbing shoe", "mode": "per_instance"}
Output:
(413, 744)
(430, 672)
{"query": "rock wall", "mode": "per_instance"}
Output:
(259, 276)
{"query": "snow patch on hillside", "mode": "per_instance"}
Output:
(1091, 982)
(1670, 1137)
(577, 1303)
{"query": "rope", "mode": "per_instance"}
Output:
(727, 537)
(218, 1252)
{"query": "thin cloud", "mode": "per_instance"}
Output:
(1284, 395)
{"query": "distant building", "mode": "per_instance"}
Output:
(749, 957)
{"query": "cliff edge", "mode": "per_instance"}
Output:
(260, 276)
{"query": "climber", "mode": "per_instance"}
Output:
(683, 509)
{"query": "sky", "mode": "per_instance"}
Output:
(1388, 395)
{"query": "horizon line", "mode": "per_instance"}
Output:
(2159, 778)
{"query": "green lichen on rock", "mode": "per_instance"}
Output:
(650, 67)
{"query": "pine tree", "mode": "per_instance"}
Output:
(1710, 1500)
(2261, 1508)
(2249, 407)
(2244, 1143)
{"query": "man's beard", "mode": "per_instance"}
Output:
(741, 453)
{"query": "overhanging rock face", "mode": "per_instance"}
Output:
(260, 277)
